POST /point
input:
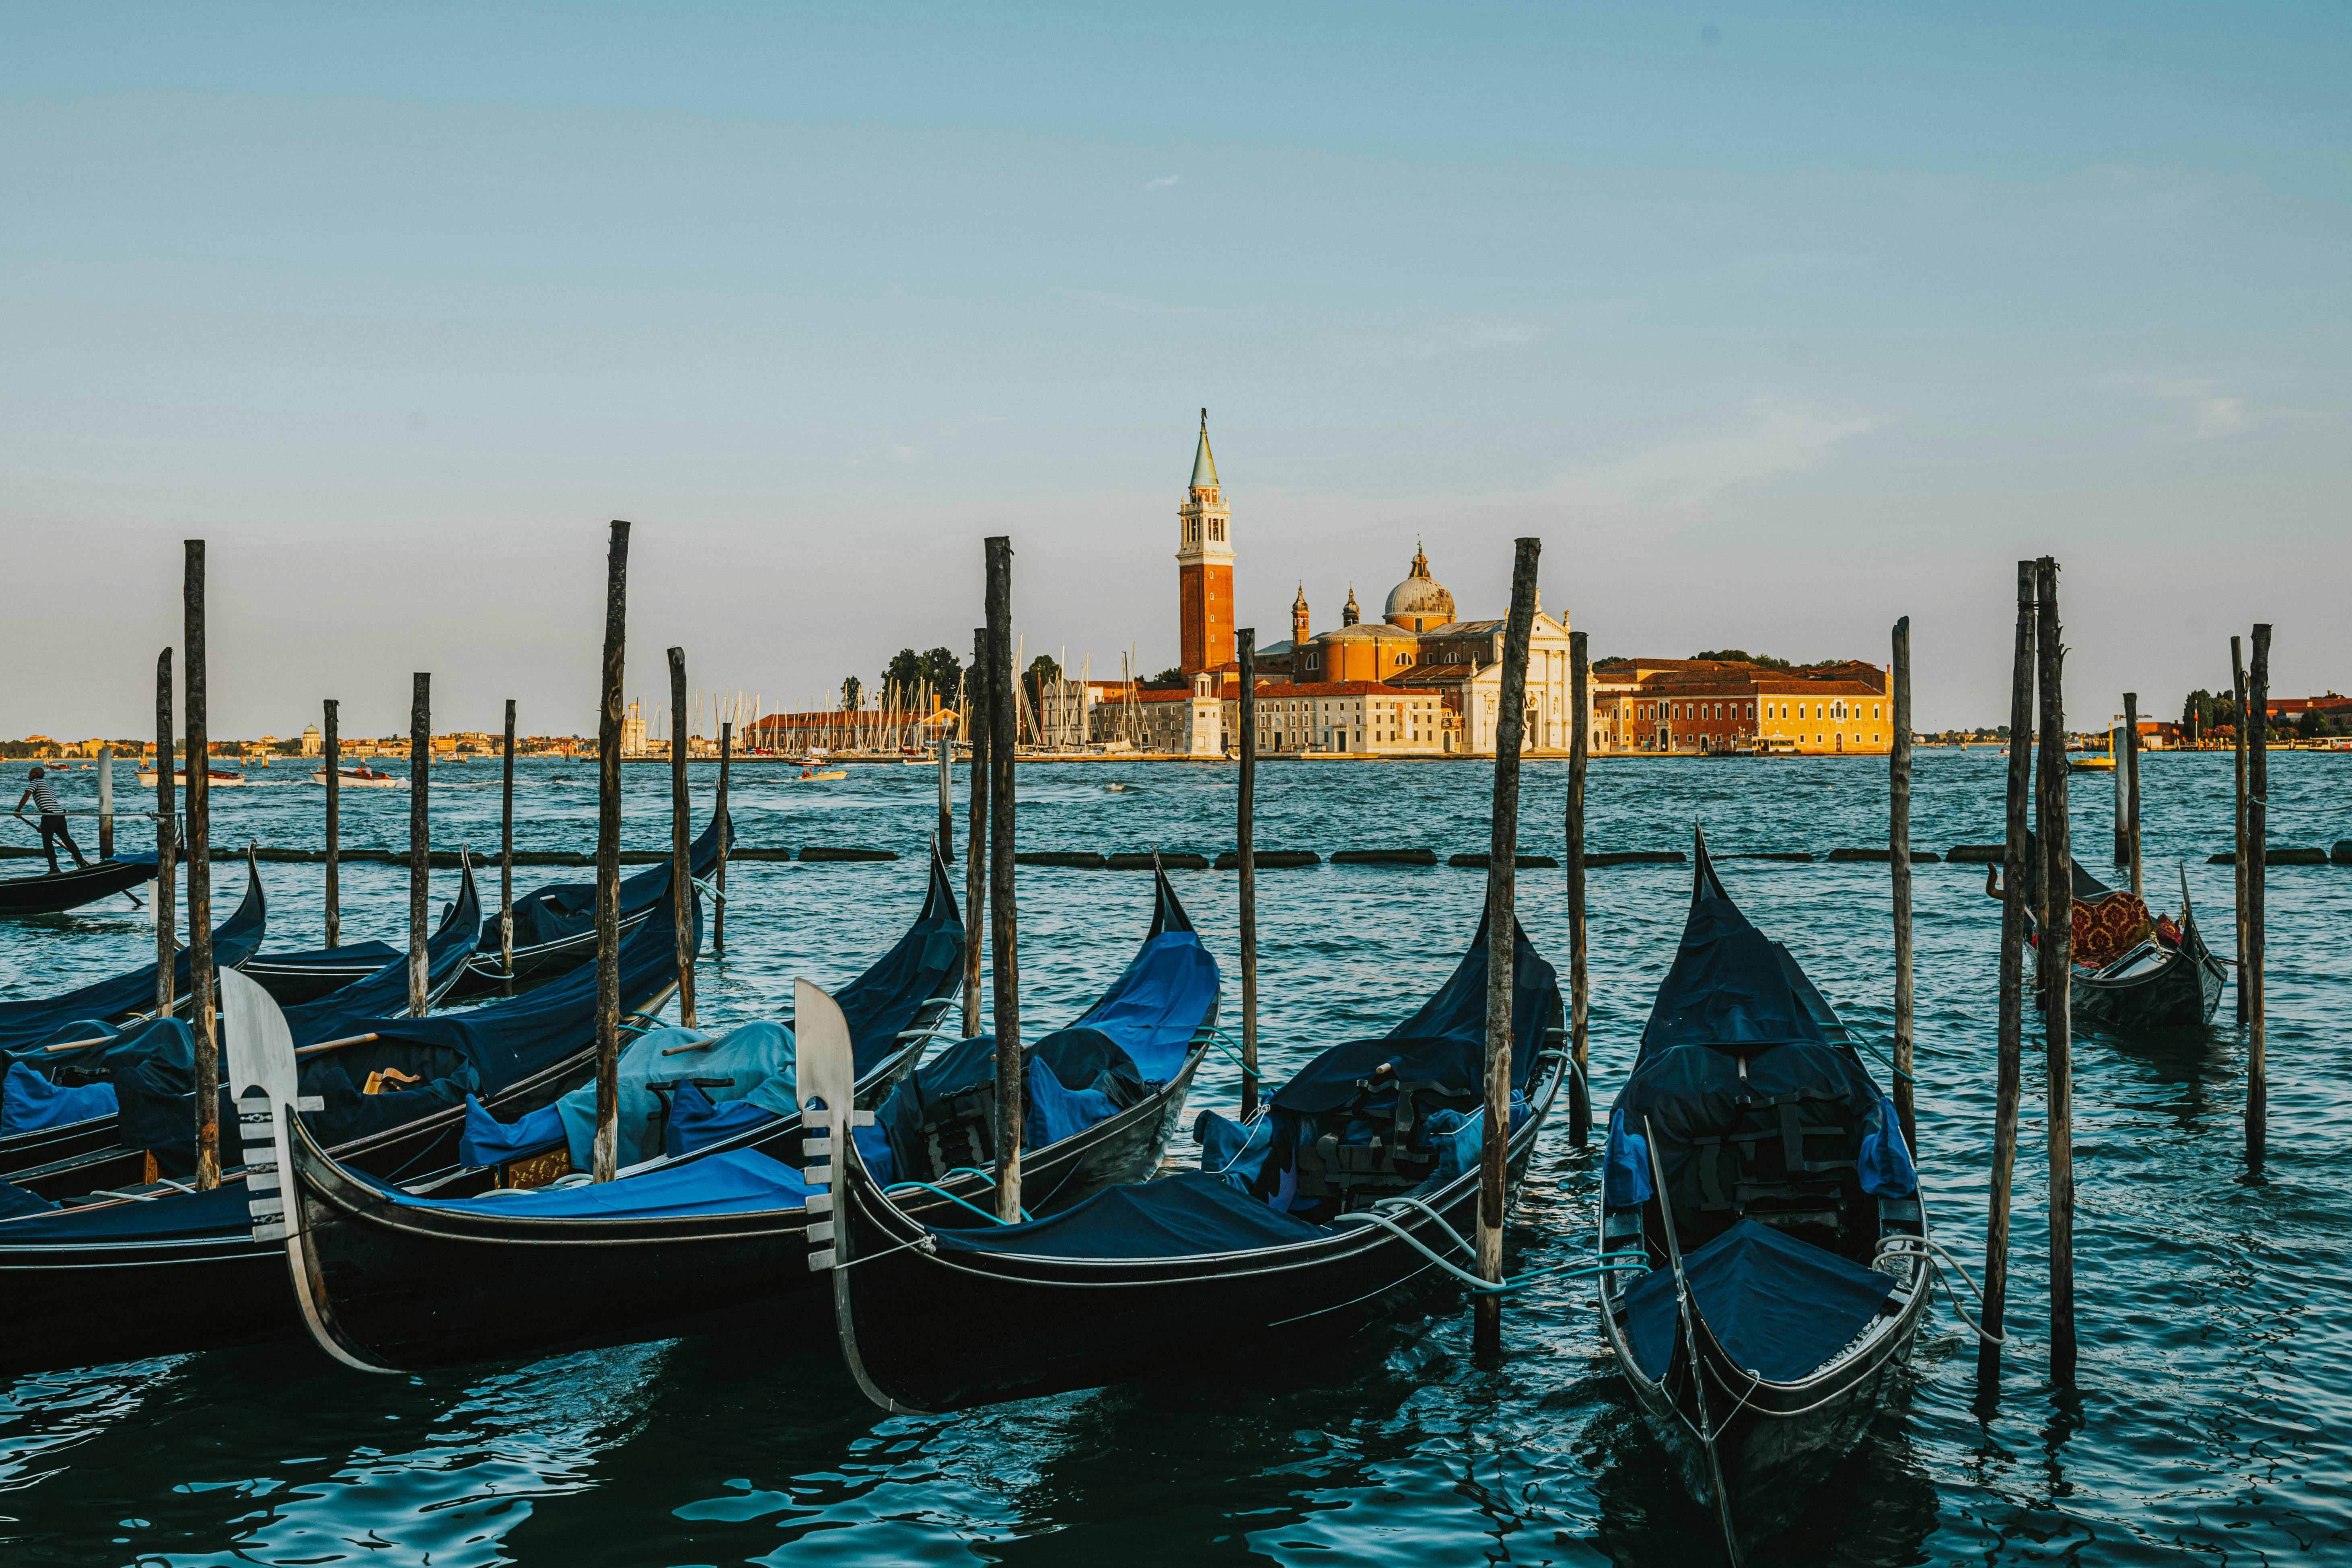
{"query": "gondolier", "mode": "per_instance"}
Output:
(44, 796)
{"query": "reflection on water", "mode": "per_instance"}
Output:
(2209, 1422)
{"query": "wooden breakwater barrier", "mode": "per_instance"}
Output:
(1479, 862)
(1794, 857)
(1384, 857)
(1635, 858)
(1881, 857)
(1269, 859)
(2282, 856)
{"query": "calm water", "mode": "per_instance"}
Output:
(2215, 1396)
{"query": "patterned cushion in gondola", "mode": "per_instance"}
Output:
(2106, 928)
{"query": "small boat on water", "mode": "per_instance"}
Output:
(2133, 969)
(813, 775)
(1327, 1212)
(362, 778)
(54, 892)
(219, 778)
(1764, 1253)
(86, 1254)
(434, 1278)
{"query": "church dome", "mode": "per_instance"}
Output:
(1420, 601)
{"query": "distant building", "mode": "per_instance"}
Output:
(1668, 705)
(632, 732)
(312, 743)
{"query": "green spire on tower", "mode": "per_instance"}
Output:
(1204, 467)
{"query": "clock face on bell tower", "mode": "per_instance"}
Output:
(1204, 567)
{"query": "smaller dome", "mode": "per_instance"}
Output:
(1420, 597)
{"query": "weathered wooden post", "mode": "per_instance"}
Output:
(1580, 984)
(726, 831)
(2129, 765)
(201, 980)
(1003, 939)
(331, 747)
(608, 858)
(506, 856)
(420, 837)
(1898, 859)
(2238, 744)
(1502, 929)
(166, 900)
(2015, 878)
(106, 803)
(2121, 781)
(681, 858)
(2057, 952)
(975, 832)
(1245, 854)
(2257, 878)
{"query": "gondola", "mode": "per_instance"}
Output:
(367, 978)
(47, 1045)
(1763, 1245)
(555, 926)
(125, 1269)
(2148, 972)
(42, 1020)
(54, 892)
(89, 1146)
(716, 1236)
(1329, 1210)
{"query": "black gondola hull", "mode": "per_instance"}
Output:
(2182, 993)
(1775, 1441)
(409, 1288)
(928, 1333)
(55, 892)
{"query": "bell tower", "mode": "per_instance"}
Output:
(1298, 633)
(1205, 568)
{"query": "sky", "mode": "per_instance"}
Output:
(1774, 323)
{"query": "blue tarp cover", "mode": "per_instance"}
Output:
(29, 1102)
(568, 909)
(1729, 987)
(1779, 1306)
(1156, 1005)
(737, 1182)
(350, 1010)
(377, 952)
(1445, 1041)
(38, 1021)
(1186, 1215)
(223, 1211)
(695, 1122)
(757, 1058)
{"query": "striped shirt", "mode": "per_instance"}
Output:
(44, 797)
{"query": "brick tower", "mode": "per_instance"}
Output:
(1205, 568)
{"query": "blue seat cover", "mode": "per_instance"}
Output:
(1779, 1306)
(1190, 1214)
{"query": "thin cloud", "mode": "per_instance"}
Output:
(2205, 409)
(1162, 183)
(1696, 473)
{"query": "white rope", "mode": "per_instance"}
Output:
(1939, 1261)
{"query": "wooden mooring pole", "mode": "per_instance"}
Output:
(2130, 766)
(166, 900)
(1898, 861)
(2238, 744)
(331, 747)
(975, 830)
(606, 1158)
(946, 748)
(1502, 929)
(2257, 880)
(681, 834)
(2057, 951)
(420, 837)
(106, 803)
(1580, 983)
(1003, 938)
(506, 857)
(1245, 852)
(201, 994)
(726, 830)
(2016, 877)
